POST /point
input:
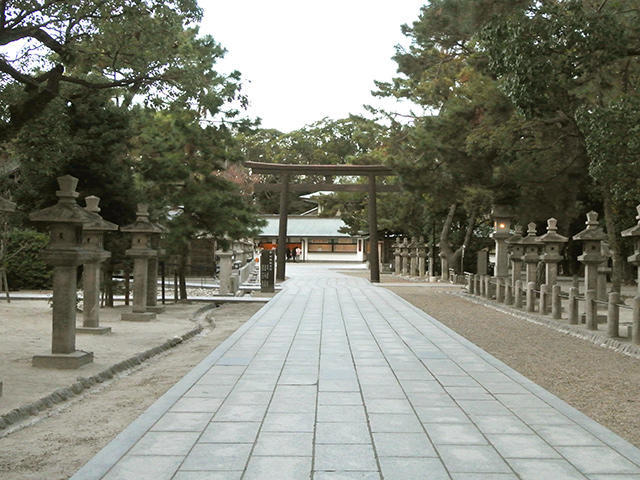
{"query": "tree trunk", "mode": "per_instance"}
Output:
(614, 243)
(446, 250)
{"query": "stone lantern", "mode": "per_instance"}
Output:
(64, 252)
(422, 257)
(530, 257)
(603, 271)
(404, 253)
(397, 257)
(502, 216)
(634, 232)
(516, 250)
(591, 238)
(413, 257)
(141, 232)
(152, 271)
(93, 241)
(552, 247)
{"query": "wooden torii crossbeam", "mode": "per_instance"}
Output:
(285, 171)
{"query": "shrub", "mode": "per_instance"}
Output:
(25, 268)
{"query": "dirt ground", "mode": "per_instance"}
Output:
(601, 383)
(55, 447)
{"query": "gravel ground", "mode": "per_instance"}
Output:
(602, 384)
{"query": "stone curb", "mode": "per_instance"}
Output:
(596, 338)
(62, 394)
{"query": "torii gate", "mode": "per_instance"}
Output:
(285, 171)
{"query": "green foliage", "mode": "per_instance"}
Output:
(25, 268)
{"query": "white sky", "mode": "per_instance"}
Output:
(302, 60)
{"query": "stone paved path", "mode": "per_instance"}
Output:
(338, 379)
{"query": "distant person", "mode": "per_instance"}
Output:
(298, 252)
(294, 253)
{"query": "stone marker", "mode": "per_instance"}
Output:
(552, 247)
(267, 271)
(592, 250)
(141, 231)
(64, 252)
(502, 216)
(413, 257)
(634, 232)
(422, 258)
(531, 257)
(397, 257)
(404, 253)
(93, 240)
(152, 271)
(226, 266)
(516, 250)
(482, 263)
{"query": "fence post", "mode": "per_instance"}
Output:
(499, 293)
(470, 284)
(487, 286)
(531, 297)
(508, 293)
(636, 320)
(591, 310)
(573, 305)
(518, 294)
(613, 314)
(544, 294)
(556, 302)
(476, 280)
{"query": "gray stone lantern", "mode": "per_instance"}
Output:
(591, 238)
(152, 270)
(141, 232)
(404, 253)
(553, 243)
(422, 257)
(64, 252)
(634, 232)
(516, 251)
(93, 241)
(397, 257)
(603, 271)
(502, 216)
(531, 258)
(413, 257)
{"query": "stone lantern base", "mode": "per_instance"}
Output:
(94, 330)
(67, 361)
(156, 308)
(138, 317)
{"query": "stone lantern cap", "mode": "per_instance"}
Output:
(635, 230)
(531, 238)
(97, 224)
(7, 206)
(67, 209)
(552, 235)
(593, 232)
(142, 223)
(516, 238)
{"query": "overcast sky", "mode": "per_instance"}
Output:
(303, 60)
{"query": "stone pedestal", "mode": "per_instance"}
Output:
(413, 258)
(64, 252)
(552, 247)
(141, 232)
(502, 216)
(530, 257)
(591, 238)
(404, 253)
(482, 262)
(397, 257)
(226, 267)
(603, 271)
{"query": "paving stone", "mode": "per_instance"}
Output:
(500, 424)
(339, 398)
(249, 398)
(165, 443)
(566, 435)
(341, 413)
(217, 456)
(197, 404)
(342, 475)
(483, 476)
(209, 391)
(240, 413)
(182, 422)
(342, 433)
(389, 405)
(472, 459)
(400, 468)
(598, 460)
(345, 457)
(403, 445)
(145, 467)
(289, 422)
(284, 444)
(537, 469)
(230, 432)
(281, 467)
(522, 446)
(442, 415)
(455, 434)
(392, 422)
(228, 475)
